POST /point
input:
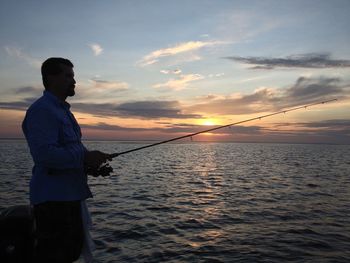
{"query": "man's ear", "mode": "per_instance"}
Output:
(50, 79)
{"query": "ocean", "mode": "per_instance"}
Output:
(210, 202)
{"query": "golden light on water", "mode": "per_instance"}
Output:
(207, 134)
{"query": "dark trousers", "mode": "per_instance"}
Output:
(59, 231)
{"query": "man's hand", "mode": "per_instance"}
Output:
(94, 159)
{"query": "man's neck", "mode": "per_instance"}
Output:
(59, 96)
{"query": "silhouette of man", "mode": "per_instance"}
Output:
(59, 182)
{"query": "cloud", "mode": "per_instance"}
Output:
(96, 48)
(336, 124)
(98, 90)
(104, 84)
(217, 75)
(18, 53)
(308, 89)
(154, 56)
(304, 91)
(179, 83)
(340, 124)
(18, 105)
(153, 109)
(189, 128)
(332, 131)
(311, 60)
(138, 109)
(175, 71)
(109, 127)
(176, 129)
(26, 90)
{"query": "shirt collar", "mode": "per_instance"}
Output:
(47, 94)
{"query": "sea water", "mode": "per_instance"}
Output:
(211, 202)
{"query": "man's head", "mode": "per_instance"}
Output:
(58, 77)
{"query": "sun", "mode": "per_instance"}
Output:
(208, 122)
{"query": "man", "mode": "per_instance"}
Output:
(59, 181)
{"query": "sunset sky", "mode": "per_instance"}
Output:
(153, 70)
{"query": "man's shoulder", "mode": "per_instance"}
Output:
(41, 103)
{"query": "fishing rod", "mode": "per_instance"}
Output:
(106, 169)
(113, 155)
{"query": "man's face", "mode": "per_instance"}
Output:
(64, 82)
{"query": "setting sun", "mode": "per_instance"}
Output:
(208, 122)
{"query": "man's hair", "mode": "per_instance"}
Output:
(52, 66)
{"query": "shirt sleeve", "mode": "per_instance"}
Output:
(42, 128)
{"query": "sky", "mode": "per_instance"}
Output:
(154, 70)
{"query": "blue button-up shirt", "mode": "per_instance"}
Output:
(54, 139)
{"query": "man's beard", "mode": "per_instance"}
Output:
(71, 92)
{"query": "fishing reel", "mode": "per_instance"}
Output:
(104, 170)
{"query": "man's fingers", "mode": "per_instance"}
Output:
(108, 157)
(104, 157)
(96, 158)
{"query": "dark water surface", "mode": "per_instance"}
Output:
(211, 202)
